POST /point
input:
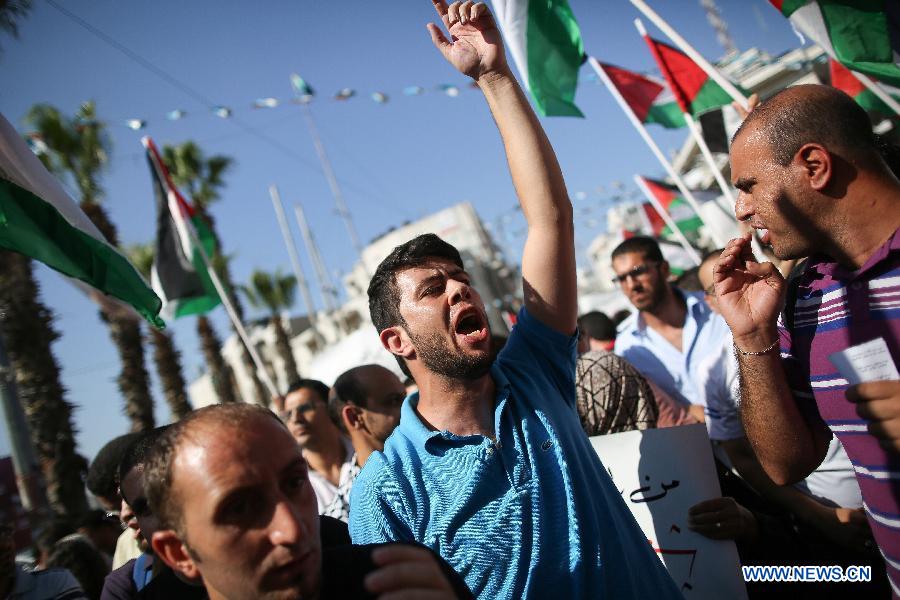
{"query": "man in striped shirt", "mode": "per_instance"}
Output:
(811, 179)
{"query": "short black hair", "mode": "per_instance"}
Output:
(597, 325)
(97, 519)
(347, 389)
(101, 476)
(384, 296)
(309, 384)
(820, 114)
(158, 465)
(86, 563)
(639, 244)
(137, 453)
(620, 315)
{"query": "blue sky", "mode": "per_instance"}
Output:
(395, 161)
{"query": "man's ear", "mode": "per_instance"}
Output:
(352, 418)
(817, 165)
(664, 270)
(397, 342)
(169, 547)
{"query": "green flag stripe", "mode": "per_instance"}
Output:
(33, 227)
(554, 53)
(668, 115)
(710, 96)
(200, 304)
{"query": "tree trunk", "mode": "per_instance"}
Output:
(219, 373)
(126, 335)
(168, 365)
(283, 345)
(27, 327)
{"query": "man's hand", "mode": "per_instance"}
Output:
(407, 572)
(845, 527)
(752, 102)
(750, 295)
(722, 519)
(475, 47)
(878, 402)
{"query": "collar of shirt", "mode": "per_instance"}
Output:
(823, 271)
(693, 301)
(412, 427)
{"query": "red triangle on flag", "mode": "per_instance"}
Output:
(843, 79)
(639, 91)
(683, 75)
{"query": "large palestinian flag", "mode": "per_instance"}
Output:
(694, 90)
(545, 43)
(38, 219)
(179, 274)
(649, 98)
(864, 35)
(843, 79)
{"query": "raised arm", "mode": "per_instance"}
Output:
(548, 263)
(789, 443)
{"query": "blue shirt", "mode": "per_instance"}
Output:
(676, 372)
(534, 514)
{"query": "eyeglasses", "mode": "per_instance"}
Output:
(635, 273)
(304, 409)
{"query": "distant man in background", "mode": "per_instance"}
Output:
(101, 481)
(325, 449)
(672, 331)
(596, 331)
(365, 403)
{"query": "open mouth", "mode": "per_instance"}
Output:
(764, 236)
(470, 326)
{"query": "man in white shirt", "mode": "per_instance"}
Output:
(327, 452)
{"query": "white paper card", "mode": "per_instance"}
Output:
(661, 473)
(866, 362)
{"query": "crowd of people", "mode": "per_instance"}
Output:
(482, 481)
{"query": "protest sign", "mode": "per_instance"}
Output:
(661, 473)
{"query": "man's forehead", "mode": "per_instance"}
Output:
(430, 267)
(628, 260)
(301, 396)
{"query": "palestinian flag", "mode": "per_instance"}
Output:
(694, 90)
(678, 208)
(179, 274)
(864, 35)
(649, 98)
(545, 43)
(38, 219)
(719, 126)
(843, 79)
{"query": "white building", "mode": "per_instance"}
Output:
(346, 337)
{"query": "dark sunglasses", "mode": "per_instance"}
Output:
(635, 272)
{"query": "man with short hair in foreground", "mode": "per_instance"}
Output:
(811, 179)
(229, 487)
(489, 465)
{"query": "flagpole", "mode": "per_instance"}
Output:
(685, 47)
(679, 183)
(668, 219)
(295, 258)
(229, 307)
(325, 285)
(876, 89)
(333, 183)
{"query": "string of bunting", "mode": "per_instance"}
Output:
(304, 94)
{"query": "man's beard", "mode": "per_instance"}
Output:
(436, 354)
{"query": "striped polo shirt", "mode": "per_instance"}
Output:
(836, 308)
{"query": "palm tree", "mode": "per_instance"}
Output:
(26, 325)
(202, 178)
(275, 292)
(165, 354)
(10, 12)
(79, 147)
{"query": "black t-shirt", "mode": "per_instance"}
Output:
(344, 566)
